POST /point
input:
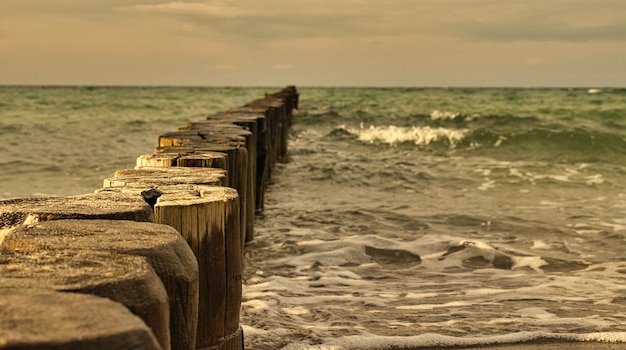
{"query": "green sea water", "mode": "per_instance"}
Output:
(402, 218)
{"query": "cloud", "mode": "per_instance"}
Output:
(540, 30)
(265, 21)
(225, 67)
(533, 61)
(540, 21)
(217, 9)
(283, 66)
(260, 22)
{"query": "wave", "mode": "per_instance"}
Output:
(574, 145)
(394, 135)
(506, 141)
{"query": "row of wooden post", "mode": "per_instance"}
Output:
(154, 259)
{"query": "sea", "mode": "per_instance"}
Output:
(402, 218)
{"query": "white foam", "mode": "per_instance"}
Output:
(437, 114)
(533, 262)
(488, 184)
(421, 136)
(256, 305)
(373, 342)
(297, 310)
(331, 294)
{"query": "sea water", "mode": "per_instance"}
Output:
(402, 218)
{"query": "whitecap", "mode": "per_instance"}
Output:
(437, 114)
(419, 135)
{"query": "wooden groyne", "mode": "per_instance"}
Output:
(154, 259)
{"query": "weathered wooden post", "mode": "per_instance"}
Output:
(115, 206)
(163, 247)
(192, 160)
(207, 217)
(146, 176)
(255, 144)
(47, 320)
(275, 111)
(209, 221)
(237, 170)
(127, 279)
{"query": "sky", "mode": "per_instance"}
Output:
(552, 43)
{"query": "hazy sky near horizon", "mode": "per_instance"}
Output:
(314, 42)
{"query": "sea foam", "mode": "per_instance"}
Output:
(419, 135)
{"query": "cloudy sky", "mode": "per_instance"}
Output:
(314, 42)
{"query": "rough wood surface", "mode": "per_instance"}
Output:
(164, 248)
(204, 160)
(291, 97)
(127, 279)
(209, 221)
(117, 206)
(257, 147)
(276, 112)
(158, 160)
(224, 131)
(46, 320)
(263, 150)
(146, 176)
(238, 176)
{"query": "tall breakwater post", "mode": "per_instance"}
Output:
(154, 259)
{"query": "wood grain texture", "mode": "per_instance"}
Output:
(127, 279)
(116, 206)
(209, 221)
(47, 320)
(163, 247)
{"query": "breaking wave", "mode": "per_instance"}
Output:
(394, 135)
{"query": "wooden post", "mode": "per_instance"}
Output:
(47, 320)
(290, 95)
(209, 221)
(116, 206)
(158, 160)
(237, 169)
(222, 132)
(255, 144)
(167, 176)
(263, 147)
(204, 160)
(276, 112)
(126, 279)
(164, 248)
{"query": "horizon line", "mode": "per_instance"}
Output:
(52, 85)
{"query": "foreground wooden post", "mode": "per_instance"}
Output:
(209, 221)
(164, 248)
(127, 279)
(115, 206)
(47, 320)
